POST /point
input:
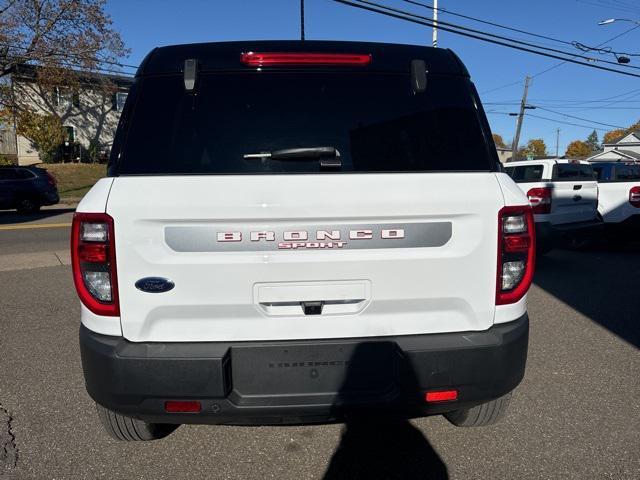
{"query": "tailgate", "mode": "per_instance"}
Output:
(573, 201)
(265, 257)
(614, 205)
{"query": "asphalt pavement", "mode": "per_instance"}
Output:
(576, 414)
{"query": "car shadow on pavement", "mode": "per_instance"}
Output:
(8, 217)
(385, 450)
(601, 283)
(377, 445)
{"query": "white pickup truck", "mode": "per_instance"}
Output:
(300, 232)
(619, 205)
(564, 197)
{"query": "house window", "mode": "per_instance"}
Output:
(121, 98)
(64, 97)
(70, 134)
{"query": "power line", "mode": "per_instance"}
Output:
(487, 22)
(412, 18)
(554, 120)
(619, 7)
(553, 67)
(577, 118)
(518, 82)
(58, 53)
(475, 31)
(568, 103)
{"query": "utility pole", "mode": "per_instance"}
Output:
(557, 141)
(435, 23)
(523, 106)
(301, 19)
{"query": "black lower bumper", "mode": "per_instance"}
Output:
(629, 224)
(303, 381)
(547, 233)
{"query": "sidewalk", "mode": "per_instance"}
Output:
(26, 261)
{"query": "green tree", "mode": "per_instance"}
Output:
(578, 149)
(593, 141)
(45, 132)
(536, 147)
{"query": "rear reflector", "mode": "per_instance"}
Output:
(634, 196)
(95, 253)
(441, 396)
(265, 59)
(516, 243)
(176, 406)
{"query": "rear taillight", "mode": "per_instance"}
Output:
(540, 199)
(93, 258)
(634, 196)
(51, 180)
(516, 253)
(266, 59)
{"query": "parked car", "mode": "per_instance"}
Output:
(301, 232)
(564, 197)
(27, 188)
(619, 205)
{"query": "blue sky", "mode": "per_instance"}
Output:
(146, 24)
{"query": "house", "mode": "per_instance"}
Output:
(504, 154)
(626, 149)
(89, 110)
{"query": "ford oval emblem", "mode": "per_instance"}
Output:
(154, 284)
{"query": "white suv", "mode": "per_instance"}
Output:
(299, 232)
(564, 197)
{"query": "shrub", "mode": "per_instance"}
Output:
(6, 161)
(44, 131)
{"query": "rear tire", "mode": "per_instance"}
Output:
(127, 429)
(480, 415)
(27, 205)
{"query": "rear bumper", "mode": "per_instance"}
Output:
(548, 232)
(50, 197)
(303, 381)
(632, 222)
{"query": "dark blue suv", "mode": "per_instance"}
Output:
(27, 188)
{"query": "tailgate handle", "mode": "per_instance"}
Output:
(312, 308)
(577, 187)
(346, 297)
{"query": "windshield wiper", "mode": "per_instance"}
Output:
(329, 157)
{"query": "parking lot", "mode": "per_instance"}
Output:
(576, 414)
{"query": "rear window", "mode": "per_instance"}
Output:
(23, 173)
(599, 172)
(627, 172)
(8, 174)
(374, 120)
(573, 172)
(526, 173)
